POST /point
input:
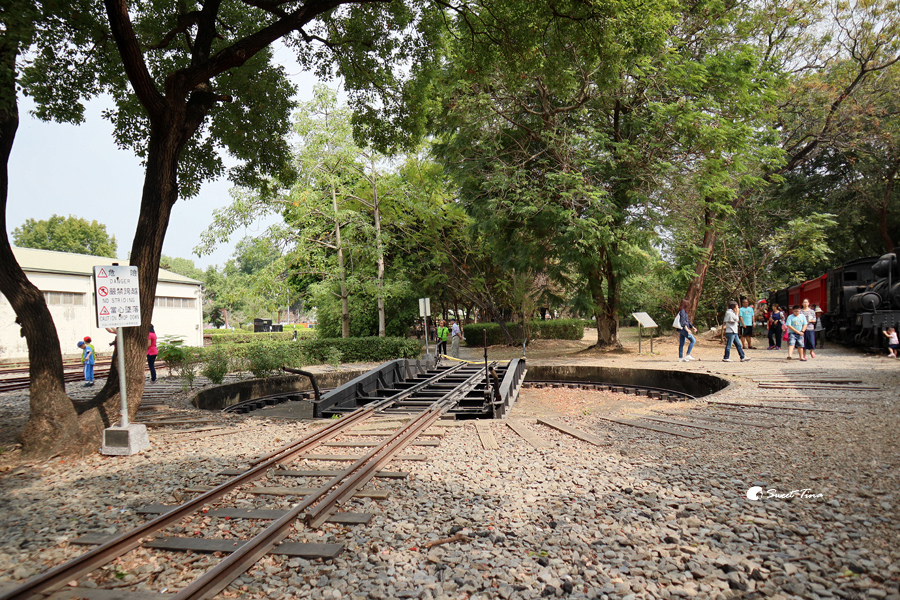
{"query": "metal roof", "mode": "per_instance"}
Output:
(49, 261)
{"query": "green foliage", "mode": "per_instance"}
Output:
(66, 234)
(231, 337)
(401, 308)
(366, 349)
(554, 329)
(216, 364)
(182, 266)
(183, 360)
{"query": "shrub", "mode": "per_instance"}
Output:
(216, 364)
(367, 349)
(556, 329)
(231, 337)
(182, 359)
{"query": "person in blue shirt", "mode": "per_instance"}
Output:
(796, 325)
(87, 357)
(745, 314)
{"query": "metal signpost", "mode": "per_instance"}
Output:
(644, 320)
(117, 298)
(425, 312)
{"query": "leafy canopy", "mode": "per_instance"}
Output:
(66, 234)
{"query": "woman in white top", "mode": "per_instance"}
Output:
(809, 336)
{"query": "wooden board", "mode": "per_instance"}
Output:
(176, 423)
(649, 426)
(581, 435)
(181, 544)
(299, 491)
(827, 388)
(375, 443)
(77, 593)
(346, 518)
(353, 457)
(760, 424)
(741, 405)
(385, 433)
(687, 424)
(314, 473)
(486, 435)
(527, 434)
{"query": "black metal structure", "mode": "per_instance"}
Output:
(413, 385)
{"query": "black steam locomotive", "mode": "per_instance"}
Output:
(860, 299)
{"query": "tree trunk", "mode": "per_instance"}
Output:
(695, 289)
(54, 425)
(345, 297)
(379, 248)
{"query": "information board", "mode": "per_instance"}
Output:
(645, 319)
(117, 296)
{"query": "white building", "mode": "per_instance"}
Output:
(66, 280)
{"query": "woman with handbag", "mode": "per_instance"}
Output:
(683, 325)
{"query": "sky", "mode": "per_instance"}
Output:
(78, 170)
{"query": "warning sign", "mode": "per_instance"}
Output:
(117, 296)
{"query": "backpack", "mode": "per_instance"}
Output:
(677, 322)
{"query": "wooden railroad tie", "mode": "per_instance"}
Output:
(577, 433)
(315, 473)
(761, 424)
(346, 518)
(528, 435)
(486, 435)
(657, 428)
(305, 550)
(769, 406)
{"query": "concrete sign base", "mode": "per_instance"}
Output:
(125, 441)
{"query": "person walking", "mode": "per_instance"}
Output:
(809, 335)
(819, 329)
(731, 333)
(776, 320)
(684, 326)
(796, 326)
(152, 352)
(87, 358)
(746, 314)
(455, 337)
(443, 332)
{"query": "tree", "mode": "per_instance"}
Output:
(182, 266)
(193, 82)
(69, 234)
(561, 118)
(836, 57)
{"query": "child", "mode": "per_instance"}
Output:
(731, 333)
(87, 357)
(796, 326)
(893, 342)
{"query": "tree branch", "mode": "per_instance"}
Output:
(133, 58)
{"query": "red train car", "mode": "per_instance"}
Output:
(816, 291)
(794, 295)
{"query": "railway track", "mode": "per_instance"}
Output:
(637, 390)
(424, 402)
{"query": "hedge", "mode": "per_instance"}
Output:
(264, 357)
(556, 329)
(228, 337)
(364, 349)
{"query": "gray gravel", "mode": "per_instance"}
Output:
(649, 516)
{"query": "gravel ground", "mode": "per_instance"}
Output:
(650, 515)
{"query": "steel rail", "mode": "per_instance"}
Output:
(231, 567)
(366, 469)
(375, 406)
(104, 553)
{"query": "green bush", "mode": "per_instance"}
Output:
(216, 364)
(230, 337)
(400, 303)
(367, 349)
(182, 359)
(556, 329)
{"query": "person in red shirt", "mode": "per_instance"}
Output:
(152, 351)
